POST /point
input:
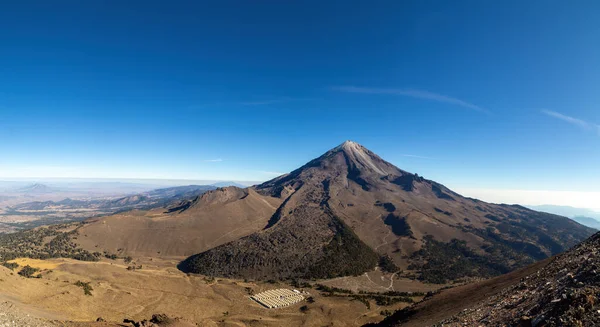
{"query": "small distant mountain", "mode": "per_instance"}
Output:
(154, 198)
(587, 221)
(566, 211)
(36, 188)
(586, 217)
(228, 183)
(179, 192)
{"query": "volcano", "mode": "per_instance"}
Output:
(349, 211)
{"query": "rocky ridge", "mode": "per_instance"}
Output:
(11, 316)
(564, 293)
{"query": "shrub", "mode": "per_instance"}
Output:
(28, 271)
(87, 288)
(387, 264)
(10, 265)
(328, 289)
(386, 313)
(110, 256)
(450, 261)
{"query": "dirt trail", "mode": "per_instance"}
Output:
(385, 242)
(370, 280)
(391, 287)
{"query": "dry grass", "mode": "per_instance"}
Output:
(160, 288)
(36, 263)
(201, 227)
(378, 281)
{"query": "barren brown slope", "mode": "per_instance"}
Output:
(215, 218)
(450, 302)
(561, 291)
(344, 209)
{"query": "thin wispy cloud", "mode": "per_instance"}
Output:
(413, 93)
(573, 121)
(418, 157)
(213, 160)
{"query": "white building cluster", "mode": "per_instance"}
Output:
(278, 298)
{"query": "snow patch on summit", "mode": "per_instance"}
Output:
(358, 152)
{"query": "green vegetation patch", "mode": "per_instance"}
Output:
(441, 262)
(381, 299)
(345, 255)
(87, 288)
(28, 272)
(387, 264)
(34, 244)
(10, 265)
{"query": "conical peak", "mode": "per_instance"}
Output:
(362, 158)
(348, 146)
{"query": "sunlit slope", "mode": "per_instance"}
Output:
(210, 220)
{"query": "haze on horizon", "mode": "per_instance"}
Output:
(194, 91)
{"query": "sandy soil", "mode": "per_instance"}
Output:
(158, 287)
(378, 281)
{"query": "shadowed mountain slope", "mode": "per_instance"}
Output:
(341, 212)
(561, 291)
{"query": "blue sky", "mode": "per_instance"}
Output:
(474, 94)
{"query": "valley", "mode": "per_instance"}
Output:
(118, 294)
(55, 206)
(359, 237)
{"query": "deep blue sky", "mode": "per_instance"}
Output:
(481, 94)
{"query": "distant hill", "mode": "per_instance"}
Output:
(36, 188)
(66, 210)
(348, 211)
(150, 199)
(583, 216)
(567, 211)
(587, 221)
(228, 183)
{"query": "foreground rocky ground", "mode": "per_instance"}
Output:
(565, 293)
(11, 316)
